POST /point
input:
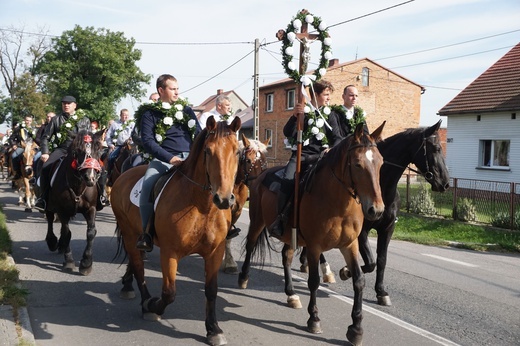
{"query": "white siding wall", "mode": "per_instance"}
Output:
(463, 135)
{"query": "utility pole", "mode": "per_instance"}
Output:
(256, 122)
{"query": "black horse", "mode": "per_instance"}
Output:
(420, 147)
(74, 189)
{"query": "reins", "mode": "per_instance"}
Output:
(428, 175)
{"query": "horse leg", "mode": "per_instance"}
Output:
(328, 275)
(28, 195)
(157, 305)
(292, 298)
(383, 240)
(229, 266)
(313, 282)
(85, 265)
(304, 267)
(366, 251)
(214, 335)
(64, 244)
(355, 330)
(253, 237)
(50, 238)
(127, 292)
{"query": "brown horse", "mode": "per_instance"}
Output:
(26, 189)
(128, 149)
(253, 161)
(344, 190)
(192, 215)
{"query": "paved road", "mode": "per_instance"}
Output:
(67, 309)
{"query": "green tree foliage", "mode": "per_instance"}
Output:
(28, 100)
(98, 67)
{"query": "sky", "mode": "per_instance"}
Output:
(442, 45)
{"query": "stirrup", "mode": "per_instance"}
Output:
(277, 227)
(233, 232)
(145, 242)
(40, 205)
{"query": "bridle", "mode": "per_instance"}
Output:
(428, 175)
(247, 172)
(88, 163)
(352, 188)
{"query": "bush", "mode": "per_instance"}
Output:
(422, 203)
(465, 210)
(502, 220)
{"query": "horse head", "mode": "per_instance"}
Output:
(253, 159)
(221, 160)
(27, 159)
(85, 151)
(364, 163)
(429, 159)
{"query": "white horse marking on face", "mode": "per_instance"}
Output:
(370, 155)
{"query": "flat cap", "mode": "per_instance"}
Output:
(68, 99)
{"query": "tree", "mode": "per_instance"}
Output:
(98, 67)
(20, 52)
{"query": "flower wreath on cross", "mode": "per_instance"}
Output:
(173, 114)
(289, 36)
(315, 126)
(61, 136)
(117, 131)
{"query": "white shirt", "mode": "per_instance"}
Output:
(125, 132)
(218, 117)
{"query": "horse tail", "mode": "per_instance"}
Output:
(120, 245)
(261, 248)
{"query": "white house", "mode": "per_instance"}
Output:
(483, 133)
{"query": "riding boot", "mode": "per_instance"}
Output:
(277, 227)
(102, 200)
(145, 240)
(41, 202)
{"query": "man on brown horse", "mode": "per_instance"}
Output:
(117, 134)
(24, 132)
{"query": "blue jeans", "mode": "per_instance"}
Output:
(154, 171)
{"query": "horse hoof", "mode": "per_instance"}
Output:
(231, 270)
(52, 245)
(127, 295)
(314, 327)
(344, 274)
(384, 300)
(217, 339)
(85, 271)
(69, 266)
(304, 268)
(242, 283)
(294, 302)
(28, 210)
(150, 316)
(329, 278)
(355, 338)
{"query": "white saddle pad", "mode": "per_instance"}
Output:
(135, 193)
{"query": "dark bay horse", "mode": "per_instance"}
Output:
(74, 190)
(128, 149)
(421, 147)
(193, 215)
(344, 190)
(253, 160)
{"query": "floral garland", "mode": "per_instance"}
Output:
(358, 118)
(315, 127)
(30, 131)
(117, 131)
(61, 136)
(289, 36)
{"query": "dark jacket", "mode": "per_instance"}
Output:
(21, 134)
(339, 120)
(53, 128)
(177, 138)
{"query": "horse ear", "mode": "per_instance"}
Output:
(236, 124)
(211, 124)
(266, 142)
(376, 135)
(432, 129)
(358, 131)
(245, 141)
(98, 136)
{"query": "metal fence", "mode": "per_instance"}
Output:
(491, 199)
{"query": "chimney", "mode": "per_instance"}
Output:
(333, 62)
(220, 91)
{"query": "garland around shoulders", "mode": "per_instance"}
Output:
(315, 127)
(61, 136)
(358, 118)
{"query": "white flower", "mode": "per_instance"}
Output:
(327, 41)
(158, 138)
(322, 71)
(320, 122)
(310, 121)
(315, 130)
(114, 140)
(166, 105)
(309, 18)
(179, 115)
(306, 109)
(74, 117)
(327, 55)
(146, 155)
(178, 107)
(191, 123)
(58, 135)
(306, 81)
(322, 26)
(297, 24)
(149, 101)
(285, 142)
(168, 121)
(291, 36)
(68, 125)
(326, 110)
(291, 65)
(289, 51)
(306, 142)
(320, 136)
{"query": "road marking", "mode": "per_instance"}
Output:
(414, 329)
(450, 260)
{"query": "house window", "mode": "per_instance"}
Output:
(494, 153)
(365, 74)
(269, 135)
(269, 102)
(289, 95)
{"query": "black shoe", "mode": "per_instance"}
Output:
(233, 232)
(277, 227)
(32, 181)
(145, 242)
(104, 201)
(40, 205)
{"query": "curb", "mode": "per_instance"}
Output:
(8, 324)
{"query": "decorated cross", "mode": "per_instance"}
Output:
(297, 31)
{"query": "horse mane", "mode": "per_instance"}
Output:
(255, 145)
(78, 140)
(338, 152)
(384, 145)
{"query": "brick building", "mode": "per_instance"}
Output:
(383, 94)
